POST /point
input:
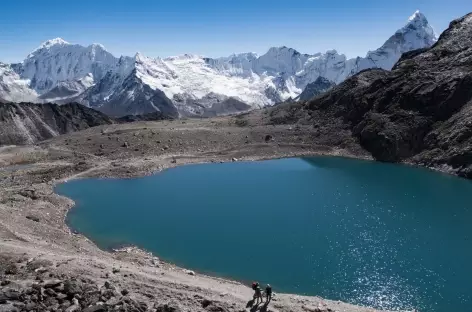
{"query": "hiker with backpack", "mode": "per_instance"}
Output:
(257, 292)
(268, 292)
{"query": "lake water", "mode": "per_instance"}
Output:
(375, 234)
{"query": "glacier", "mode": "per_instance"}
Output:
(189, 85)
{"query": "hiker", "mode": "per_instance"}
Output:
(257, 292)
(268, 292)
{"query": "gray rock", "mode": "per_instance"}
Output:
(268, 138)
(34, 264)
(108, 293)
(73, 308)
(11, 294)
(61, 297)
(72, 287)
(189, 272)
(168, 307)
(8, 308)
(108, 285)
(95, 308)
(65, 304)
(206, 303)
(32, 218)
(11, 269)
(215, 308)
(51, 283)
(30, 306)
(112, 301)
(41, 270)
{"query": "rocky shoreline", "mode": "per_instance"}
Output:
(33, 227)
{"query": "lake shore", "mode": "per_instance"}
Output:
(33, 226)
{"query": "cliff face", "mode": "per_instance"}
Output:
(28, 123)
(420, 112)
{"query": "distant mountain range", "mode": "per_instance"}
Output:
(189, 85)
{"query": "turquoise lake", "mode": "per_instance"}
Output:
(382, 235)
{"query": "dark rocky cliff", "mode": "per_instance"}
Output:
(317, 87)
(28, 123)
(419, 112)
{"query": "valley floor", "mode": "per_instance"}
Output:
(36, 246)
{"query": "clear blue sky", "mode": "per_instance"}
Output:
(214, 28)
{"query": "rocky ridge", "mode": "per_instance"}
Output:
(319, 86)
(188, 85)
(27, 123)
(420, 112)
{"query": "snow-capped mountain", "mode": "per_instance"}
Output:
(57, 62)
(61, 72)
(13, 88)
(416, 34)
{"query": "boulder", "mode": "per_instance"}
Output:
(168, 307)
(73, 308)
(189, 272)
(112, 301)
(51, 283)
(215, 308)
(32, 218)
(206, 303)
(95, 308)
(72, 288)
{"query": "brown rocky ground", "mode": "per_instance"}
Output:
(45, 267)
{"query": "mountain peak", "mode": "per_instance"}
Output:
(53, 42)
(49, 44)
(97, 46)
(418, 23)
(417, 15)
(139, 57)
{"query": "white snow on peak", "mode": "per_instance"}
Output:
(257, 80)
(13, 88)
(417, 15)
(189, 76)
(416, 34)
(98, 46)
(55, 41)
(49, 44)
(57, 61)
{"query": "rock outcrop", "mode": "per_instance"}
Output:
(28, 123)
(319, 86)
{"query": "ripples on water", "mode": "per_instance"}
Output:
(387, 236)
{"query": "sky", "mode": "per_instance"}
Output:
(214, 28)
